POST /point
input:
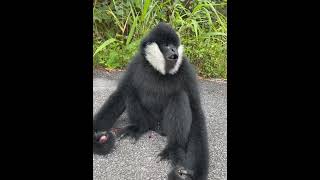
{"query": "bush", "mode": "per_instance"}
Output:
(201, 24)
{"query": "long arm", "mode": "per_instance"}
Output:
(197, 152)
(110, 111)
(192, 89)
(113, 107)
(103, 138)
(198, 145)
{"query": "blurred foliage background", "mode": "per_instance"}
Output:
(119, 25)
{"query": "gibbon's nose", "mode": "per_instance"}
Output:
(172, 53)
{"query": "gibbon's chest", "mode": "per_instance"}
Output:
(153, 101)
(155, 95)
(154, 91)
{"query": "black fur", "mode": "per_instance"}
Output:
(171, 100)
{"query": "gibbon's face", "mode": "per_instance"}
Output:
(162, 49)
(166, 58)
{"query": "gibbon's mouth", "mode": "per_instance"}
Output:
(173, 57)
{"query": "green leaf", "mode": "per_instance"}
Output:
(145, 9)
(216, 34)
(103, 45)
(195, 27)
(132, 30)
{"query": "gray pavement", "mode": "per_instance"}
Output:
(138, 161)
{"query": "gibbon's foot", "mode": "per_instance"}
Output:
(164, 155)
(180, 173)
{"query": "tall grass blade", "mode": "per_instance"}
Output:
(103, 45)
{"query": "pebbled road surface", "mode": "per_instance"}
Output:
(138, 161)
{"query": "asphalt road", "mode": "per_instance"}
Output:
(138, 161)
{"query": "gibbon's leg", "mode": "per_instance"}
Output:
(176, 124)
(187, 140)
(139, 117)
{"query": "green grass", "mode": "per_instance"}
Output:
(202, 26)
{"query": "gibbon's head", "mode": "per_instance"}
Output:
(162, 49)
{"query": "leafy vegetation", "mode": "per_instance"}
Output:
(201, 24)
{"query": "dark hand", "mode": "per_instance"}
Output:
(103, 142)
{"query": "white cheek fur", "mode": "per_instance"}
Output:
(155, 57)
